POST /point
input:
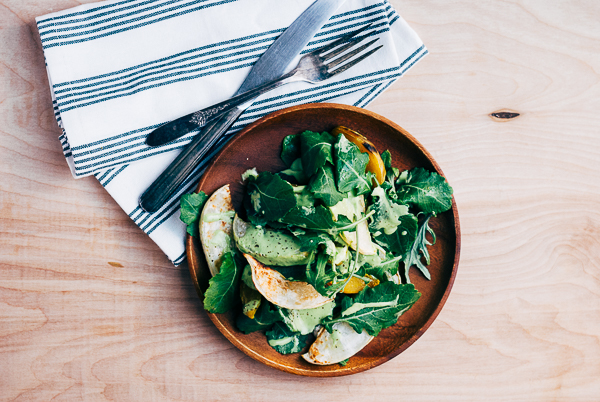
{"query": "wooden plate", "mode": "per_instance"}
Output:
(259, 145)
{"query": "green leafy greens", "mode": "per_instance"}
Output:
(295, 171)
(351, 164)
(374, 309)
(427, 191)
(324, 188)
(270, 197)
(191, 207)
(387, 213)
(322, 277)
(290, 149)
(316, 218)
(316, 151)
(264, 318)
(419, 247)
(220, 296)
(332, 225)
(283, 340)
(399, 241)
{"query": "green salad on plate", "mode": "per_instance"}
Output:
(319, 256)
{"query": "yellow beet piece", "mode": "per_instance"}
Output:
(354, 286)
(375, 164)
(374, 281)
(250, 299)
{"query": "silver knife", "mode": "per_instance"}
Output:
(272, 64)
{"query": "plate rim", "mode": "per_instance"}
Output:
(192, 243)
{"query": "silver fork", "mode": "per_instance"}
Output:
(313, 67)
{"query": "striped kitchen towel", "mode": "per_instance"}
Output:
(118, 69)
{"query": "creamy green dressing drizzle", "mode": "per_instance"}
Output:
(336, 339)
(223, 216)
(249, 173)
(284, 341)
(305, 321)
(220, 239)
(359, 306)
(255, 199)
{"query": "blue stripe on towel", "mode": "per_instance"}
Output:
(88, 11)
(113, 16)
(128, 28)
(171, 57)
(180, 259)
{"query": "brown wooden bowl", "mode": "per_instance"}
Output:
(259, 145)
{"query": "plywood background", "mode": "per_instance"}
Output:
(90, 309)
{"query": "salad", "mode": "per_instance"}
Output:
(320, 253)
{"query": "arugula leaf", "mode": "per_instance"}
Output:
(390, 175)
(283, 340)
(323, 186)
(270, 197)
(223, 288)
(264, 318)
(316, 151)
(427, 191)
(350, 164)
(400, 241)
(290, 149)
(322, 278)
(374, 309)
(191, 208)
(316, 218)
(419, 247)
(385, 269)
(310, 241)
(387, 214)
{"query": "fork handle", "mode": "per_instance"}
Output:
(184, 164)
(183, 125)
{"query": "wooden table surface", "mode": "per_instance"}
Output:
(90, 309)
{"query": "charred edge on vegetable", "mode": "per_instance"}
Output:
(369, 147)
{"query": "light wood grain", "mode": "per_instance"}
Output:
(522, 322)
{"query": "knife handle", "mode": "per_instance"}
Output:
(183, 125)
(171, 131)
(184, 164)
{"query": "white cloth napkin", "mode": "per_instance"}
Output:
(120, 68)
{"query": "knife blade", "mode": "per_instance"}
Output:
(272, 64)
(269, 66)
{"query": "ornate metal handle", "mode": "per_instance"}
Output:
(177, 128)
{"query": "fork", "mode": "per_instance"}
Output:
(313, 67)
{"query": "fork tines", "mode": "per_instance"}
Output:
(330, 51)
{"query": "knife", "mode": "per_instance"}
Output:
(272, 64)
